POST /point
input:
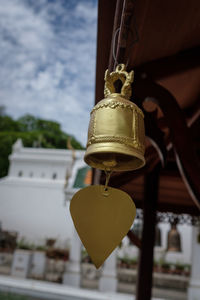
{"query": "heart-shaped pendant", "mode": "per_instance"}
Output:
(102, 218)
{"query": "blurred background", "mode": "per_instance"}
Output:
(47, 89)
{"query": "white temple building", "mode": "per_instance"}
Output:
(35, 199)
(32, 200)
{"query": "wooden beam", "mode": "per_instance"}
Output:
(186, 156)
(144, 283)
(134, 239)
(168, 66)
(106, 13)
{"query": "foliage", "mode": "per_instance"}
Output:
(166, 265)
(23, 244)
(57, 253)
(128, 261)
(171, 267)
(180, 266)
(34, 132)
(85, 256)
(187, 266)
(9, 296)
(40, 248)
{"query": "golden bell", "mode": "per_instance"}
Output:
(173, 239)
(116, 130)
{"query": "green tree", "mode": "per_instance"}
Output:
(34, 132)
(27, 123)
(8, 124)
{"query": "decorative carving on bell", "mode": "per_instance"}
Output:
(116, 130)
(174, 239)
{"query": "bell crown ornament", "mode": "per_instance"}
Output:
(116, 130)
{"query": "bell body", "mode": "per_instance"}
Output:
(174, 240)
(115, 135)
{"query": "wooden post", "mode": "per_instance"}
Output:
(144, 283)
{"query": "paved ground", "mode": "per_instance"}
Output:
(166, 294)
(38, 290)
(52, 291)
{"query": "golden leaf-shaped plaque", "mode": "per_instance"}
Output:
(102, 218)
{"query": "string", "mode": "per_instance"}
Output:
(134, 33)
(114, 46)
(108, 173)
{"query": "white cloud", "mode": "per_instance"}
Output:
(47, 56)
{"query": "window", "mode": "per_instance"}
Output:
(20, 174)
(54, 176)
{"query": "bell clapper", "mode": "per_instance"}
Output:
(110, 163)
(105, 190)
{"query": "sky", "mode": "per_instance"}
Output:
(47, 60)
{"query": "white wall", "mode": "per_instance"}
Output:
(36, 206)
(42, 163)
(35, 210)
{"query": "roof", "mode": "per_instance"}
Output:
(83, 177)
(160, 40)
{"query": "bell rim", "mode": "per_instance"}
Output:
(119, 149)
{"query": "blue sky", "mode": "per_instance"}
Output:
(47, 58)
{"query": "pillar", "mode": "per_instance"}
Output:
(108, 280)
(194, 285)
(72, 275)
(144, 280)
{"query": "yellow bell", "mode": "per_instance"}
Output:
(116, 130)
